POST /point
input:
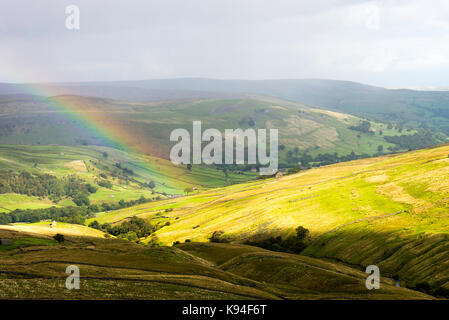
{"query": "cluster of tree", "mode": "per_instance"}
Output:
(364, 127)
(105, 184)
(70, 214)
(126, 171)
(131, 229)
(76, 215)
(307, 160)
(292, 244)
(247, 121)
(435, 289)
(150, 185)
(179, 242)
(219, 237)
(422, 139)
(45, 185)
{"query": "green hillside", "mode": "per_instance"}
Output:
(389, 211)
(306, 134)
(399, 107)
(94, 165)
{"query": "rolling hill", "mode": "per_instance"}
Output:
(146, 127)
(103, 161)
(96, 165)
(33, 267)
(390, 211)
(399, 106)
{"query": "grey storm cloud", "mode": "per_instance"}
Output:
(389, 43)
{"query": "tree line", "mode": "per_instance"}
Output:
(45, 185)
(70, 214)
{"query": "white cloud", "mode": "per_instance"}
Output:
(390, 42)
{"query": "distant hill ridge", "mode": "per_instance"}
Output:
(404, 106)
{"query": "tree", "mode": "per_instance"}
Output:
(81, 199)
(105, 155)
(91, 188)
(59, 237)
(217, 236)
(380, 148)
(131, 236)
(296, 151)
(302, 233)
(94, 224)
(151, 184)
(364, 126)
(188, 190)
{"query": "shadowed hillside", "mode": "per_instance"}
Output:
(33, 267)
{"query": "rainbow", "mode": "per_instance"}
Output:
(108, 128)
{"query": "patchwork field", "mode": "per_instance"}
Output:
(146, 126)
(89, 164)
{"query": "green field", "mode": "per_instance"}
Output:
(146, 127)
(88, 163)
(389, 211)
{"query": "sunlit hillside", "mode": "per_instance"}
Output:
(391, 211)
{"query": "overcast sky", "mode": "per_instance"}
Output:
(387, 43)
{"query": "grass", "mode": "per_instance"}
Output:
(11, 201)
(146, 127)
(27, 242)
(117, 269)
(43, 228)
(390, 211)
(61, 161)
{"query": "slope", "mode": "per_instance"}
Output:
(33, 267)
(304, 132)
(390, 211)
